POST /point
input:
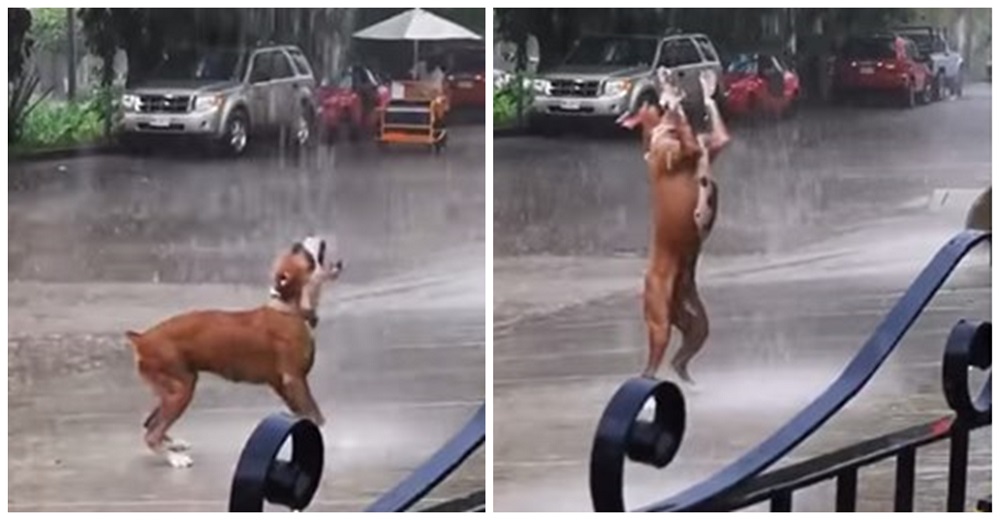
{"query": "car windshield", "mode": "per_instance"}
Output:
(924, 41)
(873, 48)
(743, 64)
(471, 63)
(215, 65)
(613, 50)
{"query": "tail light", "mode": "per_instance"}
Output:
(479, 77)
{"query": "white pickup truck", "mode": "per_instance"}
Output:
(946, 63)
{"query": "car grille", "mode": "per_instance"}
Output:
(575, 88)
(164, 104)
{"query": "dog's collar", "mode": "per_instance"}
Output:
(308, 315)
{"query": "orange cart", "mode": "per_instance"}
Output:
(415, 114)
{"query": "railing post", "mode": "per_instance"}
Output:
(905, 474)
(781, 502)
(958, 467)
(847, 491)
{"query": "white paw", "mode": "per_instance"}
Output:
(179, 460)
(176, 444)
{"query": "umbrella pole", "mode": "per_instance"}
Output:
(416, 58)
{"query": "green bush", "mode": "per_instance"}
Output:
(57, 123)
(22, 100)
(505, 101)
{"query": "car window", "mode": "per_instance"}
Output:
(776, 64)
(260, 69)
(869, 49)
(301, 63)
(742, 64)
(612, 50)
(706, 49)
(679, 52)
(280, 67)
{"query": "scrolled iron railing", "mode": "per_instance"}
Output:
(620, 434)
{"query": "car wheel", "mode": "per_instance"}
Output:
(237, 135)
(793, 107)
(926, 95)
(939, 86)
(909, 96)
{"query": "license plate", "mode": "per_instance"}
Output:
(464, 84)
(161, 122)
(867, 70)
(569, 105)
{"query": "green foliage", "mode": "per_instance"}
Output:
(505, 101)
(59, 123)
(48, 28)
(21, 103)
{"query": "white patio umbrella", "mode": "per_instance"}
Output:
(416, 25)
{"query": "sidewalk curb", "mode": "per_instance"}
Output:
(89, 150)
(510, 132)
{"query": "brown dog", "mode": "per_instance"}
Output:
(684, 204)
(272, 345)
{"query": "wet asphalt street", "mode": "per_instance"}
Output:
(824, 221)
(99, 245)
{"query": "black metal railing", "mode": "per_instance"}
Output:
(437, 468)
(621, 434)
(261, 476)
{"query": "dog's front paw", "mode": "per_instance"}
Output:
(179, 460)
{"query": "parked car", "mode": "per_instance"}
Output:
(605, 76)
(759, 83)
(882, 63)
(466, 80)
(223, 96)
(350, 102)
(946, 64)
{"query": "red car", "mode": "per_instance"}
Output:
(466, 76)
(759, 84)
(885, 64)
(351, 102)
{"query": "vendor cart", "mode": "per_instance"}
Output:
(416, 114)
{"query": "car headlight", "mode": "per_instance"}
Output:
(130, 102)
(207, 103)
(616, 87)
(541, 86)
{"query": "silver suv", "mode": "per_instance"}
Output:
(223, 96)
(608, 75)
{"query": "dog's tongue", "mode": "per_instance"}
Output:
(630, 121)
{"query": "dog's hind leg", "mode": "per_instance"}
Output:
(175, 396)
(692, 320)
(656, 308)
(294, 391)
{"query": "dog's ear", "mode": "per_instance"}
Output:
(133, 337)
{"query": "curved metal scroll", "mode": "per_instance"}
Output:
(435, 469)
(648, 442)
(614, 439)
(969, 346)
(261, 476)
